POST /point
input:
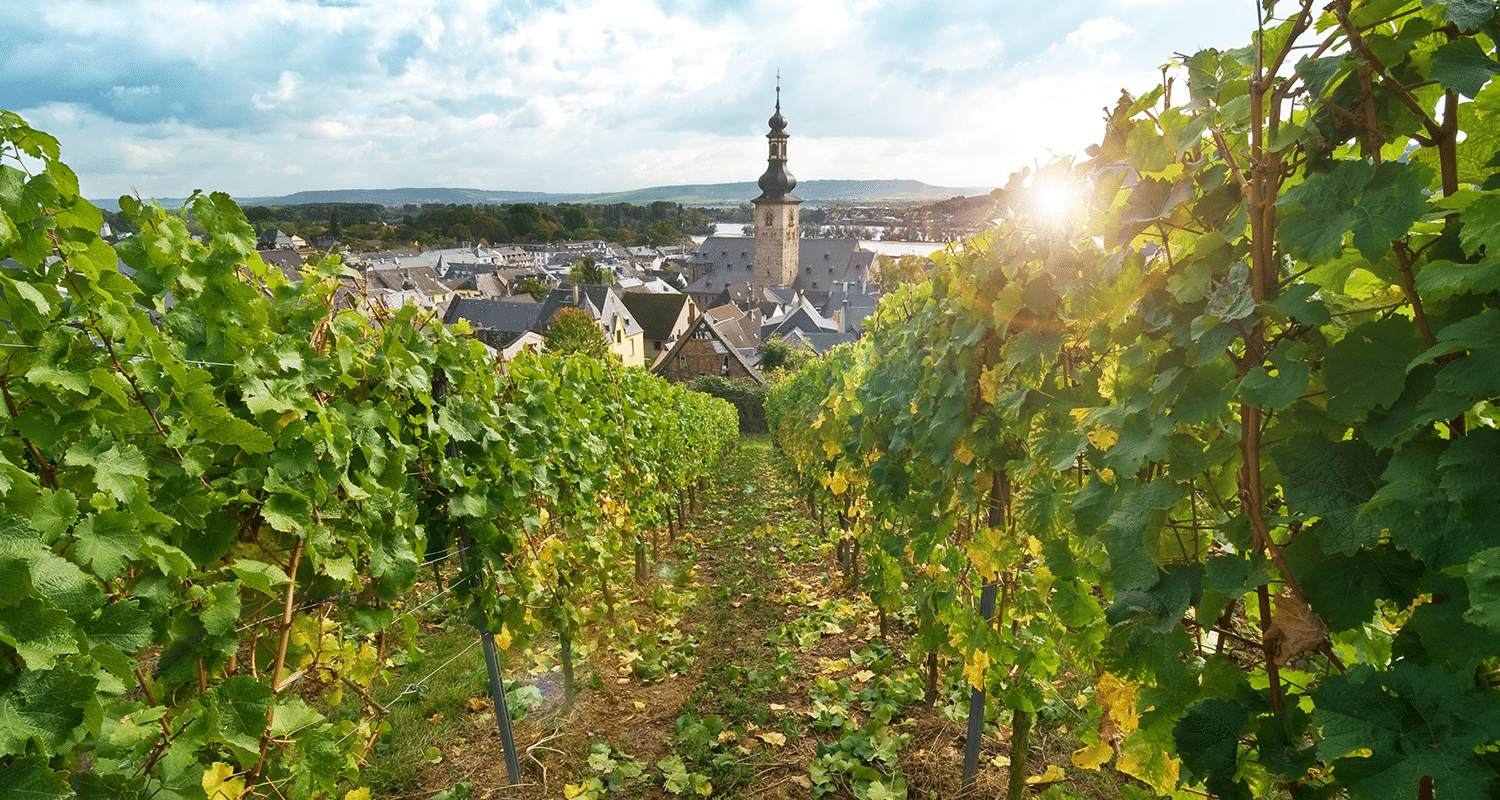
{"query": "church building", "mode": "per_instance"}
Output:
(777, 263)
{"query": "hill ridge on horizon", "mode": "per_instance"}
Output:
(814, 192)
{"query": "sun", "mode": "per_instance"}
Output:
(1055, 199)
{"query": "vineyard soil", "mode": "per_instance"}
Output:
(750, 657)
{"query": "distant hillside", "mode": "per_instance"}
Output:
(709, 194)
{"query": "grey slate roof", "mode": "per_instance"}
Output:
(657, 314)
(506, 316)
(728, 261)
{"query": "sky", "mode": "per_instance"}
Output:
(269, 97)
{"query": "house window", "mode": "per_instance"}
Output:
(681, 361)
(726, 365)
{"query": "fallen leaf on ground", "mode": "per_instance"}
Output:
(772, 738)
(477, 704)
(1053, 774)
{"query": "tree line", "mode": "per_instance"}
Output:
(360, 226)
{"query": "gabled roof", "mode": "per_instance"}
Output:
(704, 324)
(601, 303)
(819, 343)
(396, 279)
(658, 314)
(506, 316)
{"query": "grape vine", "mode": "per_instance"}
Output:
(1227, 434)
(218, 483)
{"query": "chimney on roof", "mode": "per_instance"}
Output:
(575, 294)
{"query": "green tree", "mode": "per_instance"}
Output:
(664, 233)
(893, 273)
(574, 331)
(588, 270)
(535, 288)
(779, 355)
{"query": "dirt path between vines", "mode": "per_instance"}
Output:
(739, 713)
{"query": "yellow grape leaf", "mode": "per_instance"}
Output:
(726, 737)
(964, 455)
(549, 550)
(832, 448)
(1092, 757)
(503, 638)
(1053, 774)
(772, 738)
(989, 382)
(1103, 438)
(984, 558)
(362, 793)
(639, 706)
(219, 782)
(974, 669)
(1118, 699)
(837, 484)
(864, 676)
(1001, 761)
(572, 790)
(1079, 413)
(1147, 762)
(828, 665)
(706, 789)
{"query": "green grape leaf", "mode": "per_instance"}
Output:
(1332, 481)
(1234, 575)
(46, 707)
(1480, 225)
(115, 465)
(293, 715)
(1446, 636)
(260, 576)
(1299, 302)
(1477, 373)
(1367, 368)
(1283, 743)
(1468, 15)
(1140, 510)
(1446, 278)
(1462, 66)
(122, 625)
(1416, 722)
(32, 778)
(287, 511)
(1344, 588)
(1483, 580)
(107, 541)
(1376, 203)
(241, 704)
(221, 607)
(56, 512)
(40, 632)
(1208, 741)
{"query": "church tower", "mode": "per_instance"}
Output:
(777, 241)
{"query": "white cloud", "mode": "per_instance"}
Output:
(286, 89)
(1095, 32)
(574, 95)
